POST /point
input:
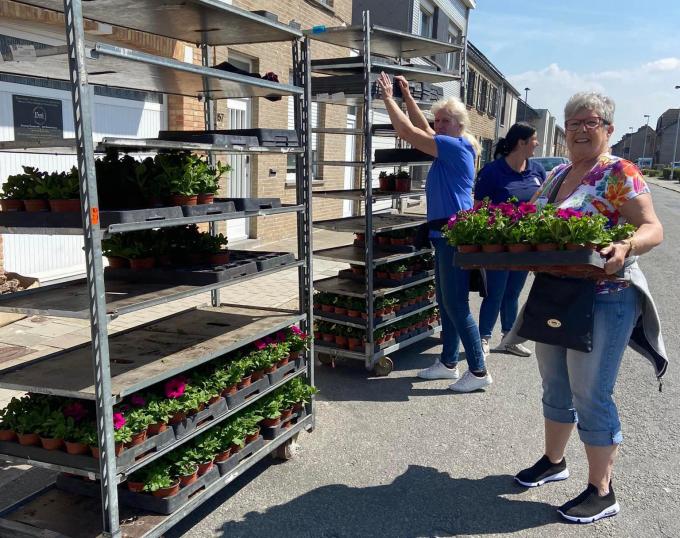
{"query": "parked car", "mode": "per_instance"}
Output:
(548, 163)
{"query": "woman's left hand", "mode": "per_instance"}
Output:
(385, 84)
(616, 256)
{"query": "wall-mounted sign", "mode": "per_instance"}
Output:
(37, 118)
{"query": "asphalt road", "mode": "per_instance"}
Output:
(401, 457)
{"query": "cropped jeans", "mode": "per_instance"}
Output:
(502, 295)
(578, 387)
(452, 287)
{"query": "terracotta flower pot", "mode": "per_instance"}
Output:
(403, 184)
(119, 447)
(328, 338)
(232, 389)
(205, 198)
(493, 249)
(397, 276)
(29, 439)
(135, 487)
(257, 375)
(204, 467)
(11, 205)
(382, 274)
(180, 199)
(36, 205)
(252, 437)
(271, 422)
(71, 205)
(397, 241)
(164, 261)
(361, 237)
(220, 258)
(468, 249)
(188, 479)
(235, 449)
(178, 417)
(271, 369)
(137, 439)
(142, 263)
(8, 435)
(286, 414)
(224, 455)
(353, 313)
(167, 492)
(49, 443)
(155, 429)
(246, 380)
(328, 308)
(383, 240)
(76, 448)
(341, 310)
(519, 247)
(546, 247)
(578, 246)
(117, 262)
(340, 341)
(283, 361)
(384, 183)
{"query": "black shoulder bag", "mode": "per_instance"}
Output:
(559, 310)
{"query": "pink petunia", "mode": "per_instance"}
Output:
(452, 222)
(280, 336)
(175, 387)
(296, 330)
(260, 345)
(506, 209)
(76, 411)
(491, 220)
(525, 208)
(137, 400)
(118, 421)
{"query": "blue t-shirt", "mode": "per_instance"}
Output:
(498, 182)
(450, 179)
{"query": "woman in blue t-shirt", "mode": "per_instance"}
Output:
(510, 175)
(449, 189)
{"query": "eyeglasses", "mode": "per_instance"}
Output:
(590, 123)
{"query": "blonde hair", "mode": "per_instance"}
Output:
(455, 108)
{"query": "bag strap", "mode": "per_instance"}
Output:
(558, 184)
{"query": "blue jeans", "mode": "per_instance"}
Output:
(452, 288)
(503, 289)
(578, 387)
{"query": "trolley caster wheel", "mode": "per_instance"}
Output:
(287, 450)
(383, 367)
(325, 358)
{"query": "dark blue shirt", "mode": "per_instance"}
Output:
(498, 182)
(450, 179)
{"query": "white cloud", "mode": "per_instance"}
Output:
(637, 90)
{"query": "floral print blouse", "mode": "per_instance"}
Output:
(609, 184)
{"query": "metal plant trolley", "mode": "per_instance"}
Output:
(111, 367)
(389, 50)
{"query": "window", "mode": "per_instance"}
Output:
(487, 146)
(291, 158)
(471, 87)
(453, 58)
(505, 96)
(483, 96)
(493, 101)
(426, 20)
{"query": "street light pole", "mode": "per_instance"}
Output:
(675, 145)
(644, 144)
(526, 102)
(630, 143)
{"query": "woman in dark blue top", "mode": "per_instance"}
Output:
(510, 175)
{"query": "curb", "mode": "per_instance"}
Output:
(664, 184)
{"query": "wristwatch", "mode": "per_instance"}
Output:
(631, 246)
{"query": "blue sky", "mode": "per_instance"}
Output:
(625, 49)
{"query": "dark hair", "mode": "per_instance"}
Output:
(519, 131)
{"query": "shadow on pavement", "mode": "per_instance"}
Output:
(421, 502)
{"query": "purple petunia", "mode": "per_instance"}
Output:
(118, 421)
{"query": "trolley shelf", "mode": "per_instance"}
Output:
(110, 65)
(355, 65)
(354, 288)
(151, 353)
(382, 222)
(360, 194)
(361, 323)
(356, 255)
(53, 512)
(338, 352)
(67, 146)
(384, 41)
(41, 228)
(214, 21)
(71, 299)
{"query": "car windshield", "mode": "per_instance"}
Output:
(548, 163)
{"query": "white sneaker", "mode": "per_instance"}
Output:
(470, 382)
(485, 347)
(439, 371)
(517, 349)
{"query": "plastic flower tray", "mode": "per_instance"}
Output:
(248, 450)
(272, 432)
(200, 419)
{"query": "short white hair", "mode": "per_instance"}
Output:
(602, 105)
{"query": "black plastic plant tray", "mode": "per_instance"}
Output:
(200, 419)
(252, 204)
(272, 432)
(285, 370)
(389, 248)
(384, 345)
(86, 461)
(219, 138)
(248, 450)
(243, 394)
(585, 263)
(384, 282)
(264, 260)
(217, 208)
(124, 216)
(270, 138)
(400, 155)
(145, 501)
(198, 275)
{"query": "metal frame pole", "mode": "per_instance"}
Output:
(89, 205)
(644, 144)
(209, 122)
(675, 144)
(303, 186)
(368, 178)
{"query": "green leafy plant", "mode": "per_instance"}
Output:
(59, 185)
(159, 477)
(56, 426)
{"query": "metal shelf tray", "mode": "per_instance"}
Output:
(360, 194)
(382, 222)
(356, 255)
(215, 21)
(354, 64)
(151, 353)
(352, 288)
(360, 323)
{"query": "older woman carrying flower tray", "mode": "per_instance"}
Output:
(449, 189)
(578, 385)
